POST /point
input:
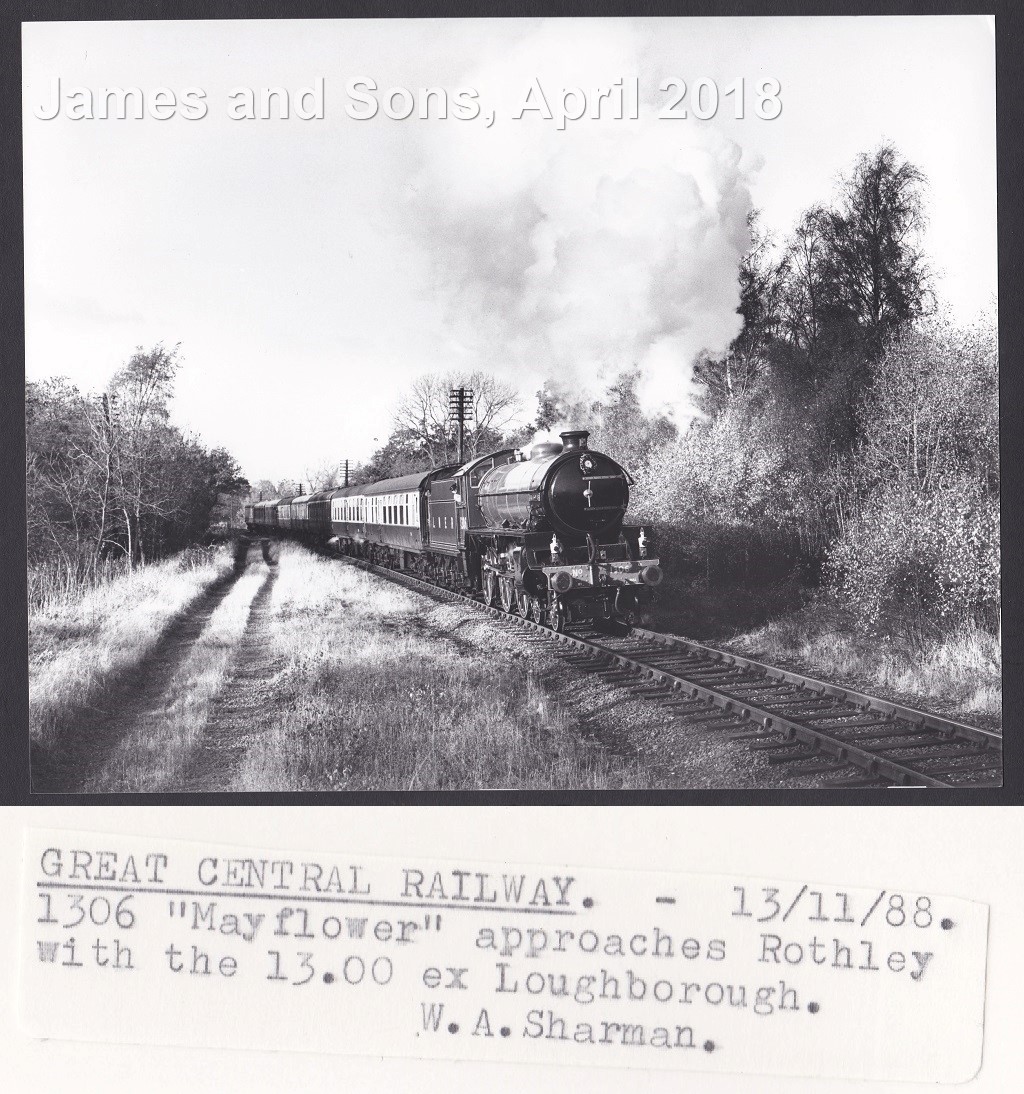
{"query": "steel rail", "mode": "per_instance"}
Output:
(716, 682)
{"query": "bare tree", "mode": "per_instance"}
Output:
(422, 415)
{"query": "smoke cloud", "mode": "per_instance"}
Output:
(575, 256)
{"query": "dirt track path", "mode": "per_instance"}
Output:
(233, 715)
(131, 697)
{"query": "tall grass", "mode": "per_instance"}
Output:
(373, 695)
(960, 670)
(81, 642)
(56, 581)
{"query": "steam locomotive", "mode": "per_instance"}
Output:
(539, 531)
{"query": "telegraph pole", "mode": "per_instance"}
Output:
(345, 467)
(460, 409)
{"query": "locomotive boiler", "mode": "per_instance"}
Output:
(549, 527)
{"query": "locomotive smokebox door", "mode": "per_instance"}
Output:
(587, 492)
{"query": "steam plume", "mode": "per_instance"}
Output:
(575, 256)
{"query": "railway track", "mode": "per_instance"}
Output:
(807, 726)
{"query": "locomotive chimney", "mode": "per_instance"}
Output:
(574, 439)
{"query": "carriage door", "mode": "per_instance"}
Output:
(443, 515)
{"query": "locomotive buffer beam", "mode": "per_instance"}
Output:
(608, 573)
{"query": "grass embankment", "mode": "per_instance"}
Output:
(959, 673)
(159, 732)
(787, 623)
(79, 646)
(377, 693)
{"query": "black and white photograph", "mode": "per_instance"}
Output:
(591, 404)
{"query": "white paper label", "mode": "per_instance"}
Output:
(162, 941)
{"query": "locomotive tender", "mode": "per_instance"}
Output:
(539, 531)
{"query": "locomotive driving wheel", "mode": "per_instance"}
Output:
(556, 615)
(523, 603)
(508, 594)
(491, 594)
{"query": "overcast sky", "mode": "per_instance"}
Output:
(311, 268)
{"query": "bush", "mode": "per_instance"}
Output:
(921, 546)
(931, 558)
(734, 499)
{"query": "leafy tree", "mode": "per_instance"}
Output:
(403, 453)
(264, 490)
(876, 273)
(109, 476)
